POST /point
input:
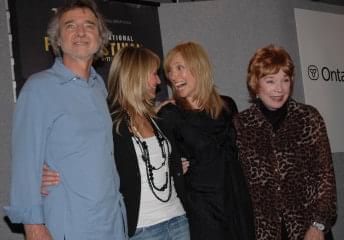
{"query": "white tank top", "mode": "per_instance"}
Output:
(152, 211)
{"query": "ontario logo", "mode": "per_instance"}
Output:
(325, 73)
(313, 72)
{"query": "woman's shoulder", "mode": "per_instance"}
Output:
(229, 105)
(169, 116)
(120, 128)
(302, 110)
(247, 117)
(169, 110)
(251, 110)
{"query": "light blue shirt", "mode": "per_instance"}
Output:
(63, 121)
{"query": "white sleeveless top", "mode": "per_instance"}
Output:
(152, 211)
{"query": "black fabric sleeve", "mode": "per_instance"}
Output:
(238, 201)
(239, 207)
(169, 115)
(230, 105)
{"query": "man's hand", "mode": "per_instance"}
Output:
(314, 234)
(37, 232)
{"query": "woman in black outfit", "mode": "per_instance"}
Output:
(218, 204)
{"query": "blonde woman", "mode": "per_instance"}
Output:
(218, 204)
(146, 155)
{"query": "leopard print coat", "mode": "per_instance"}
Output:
(289, 171)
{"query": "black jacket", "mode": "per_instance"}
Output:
(128, 169)
(216, 190)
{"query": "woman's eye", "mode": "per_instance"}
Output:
(180, 67)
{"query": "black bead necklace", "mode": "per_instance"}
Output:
(165, 153)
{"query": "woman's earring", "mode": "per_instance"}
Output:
(257, 96)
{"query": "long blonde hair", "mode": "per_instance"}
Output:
(127, 83)
(198, 63)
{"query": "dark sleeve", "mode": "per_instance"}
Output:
(168, 118)
(239, 207)
(129, 174)
(230, 105)
(325, 207)
(239, 211)
(169, 115)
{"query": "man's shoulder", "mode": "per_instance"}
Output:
(41, 79)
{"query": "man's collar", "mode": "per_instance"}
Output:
(68, 75)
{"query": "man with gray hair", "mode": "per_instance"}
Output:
(62, 120)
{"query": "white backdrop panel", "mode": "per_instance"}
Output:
(320, 38)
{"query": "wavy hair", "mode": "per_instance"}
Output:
(53, 30)
(268, 60)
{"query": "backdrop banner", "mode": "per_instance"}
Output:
(131, 24)
(320, 37)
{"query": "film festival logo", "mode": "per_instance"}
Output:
(325, 73)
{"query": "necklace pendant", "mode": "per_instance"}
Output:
(144, 157)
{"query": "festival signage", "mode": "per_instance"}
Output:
(131, 24)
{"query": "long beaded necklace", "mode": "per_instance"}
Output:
(165, 153)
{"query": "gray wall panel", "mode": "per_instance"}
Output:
(6, 109)
(231, 31)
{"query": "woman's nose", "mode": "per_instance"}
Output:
(278, 87)
(172, 75)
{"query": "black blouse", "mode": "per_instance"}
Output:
(209, 145)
